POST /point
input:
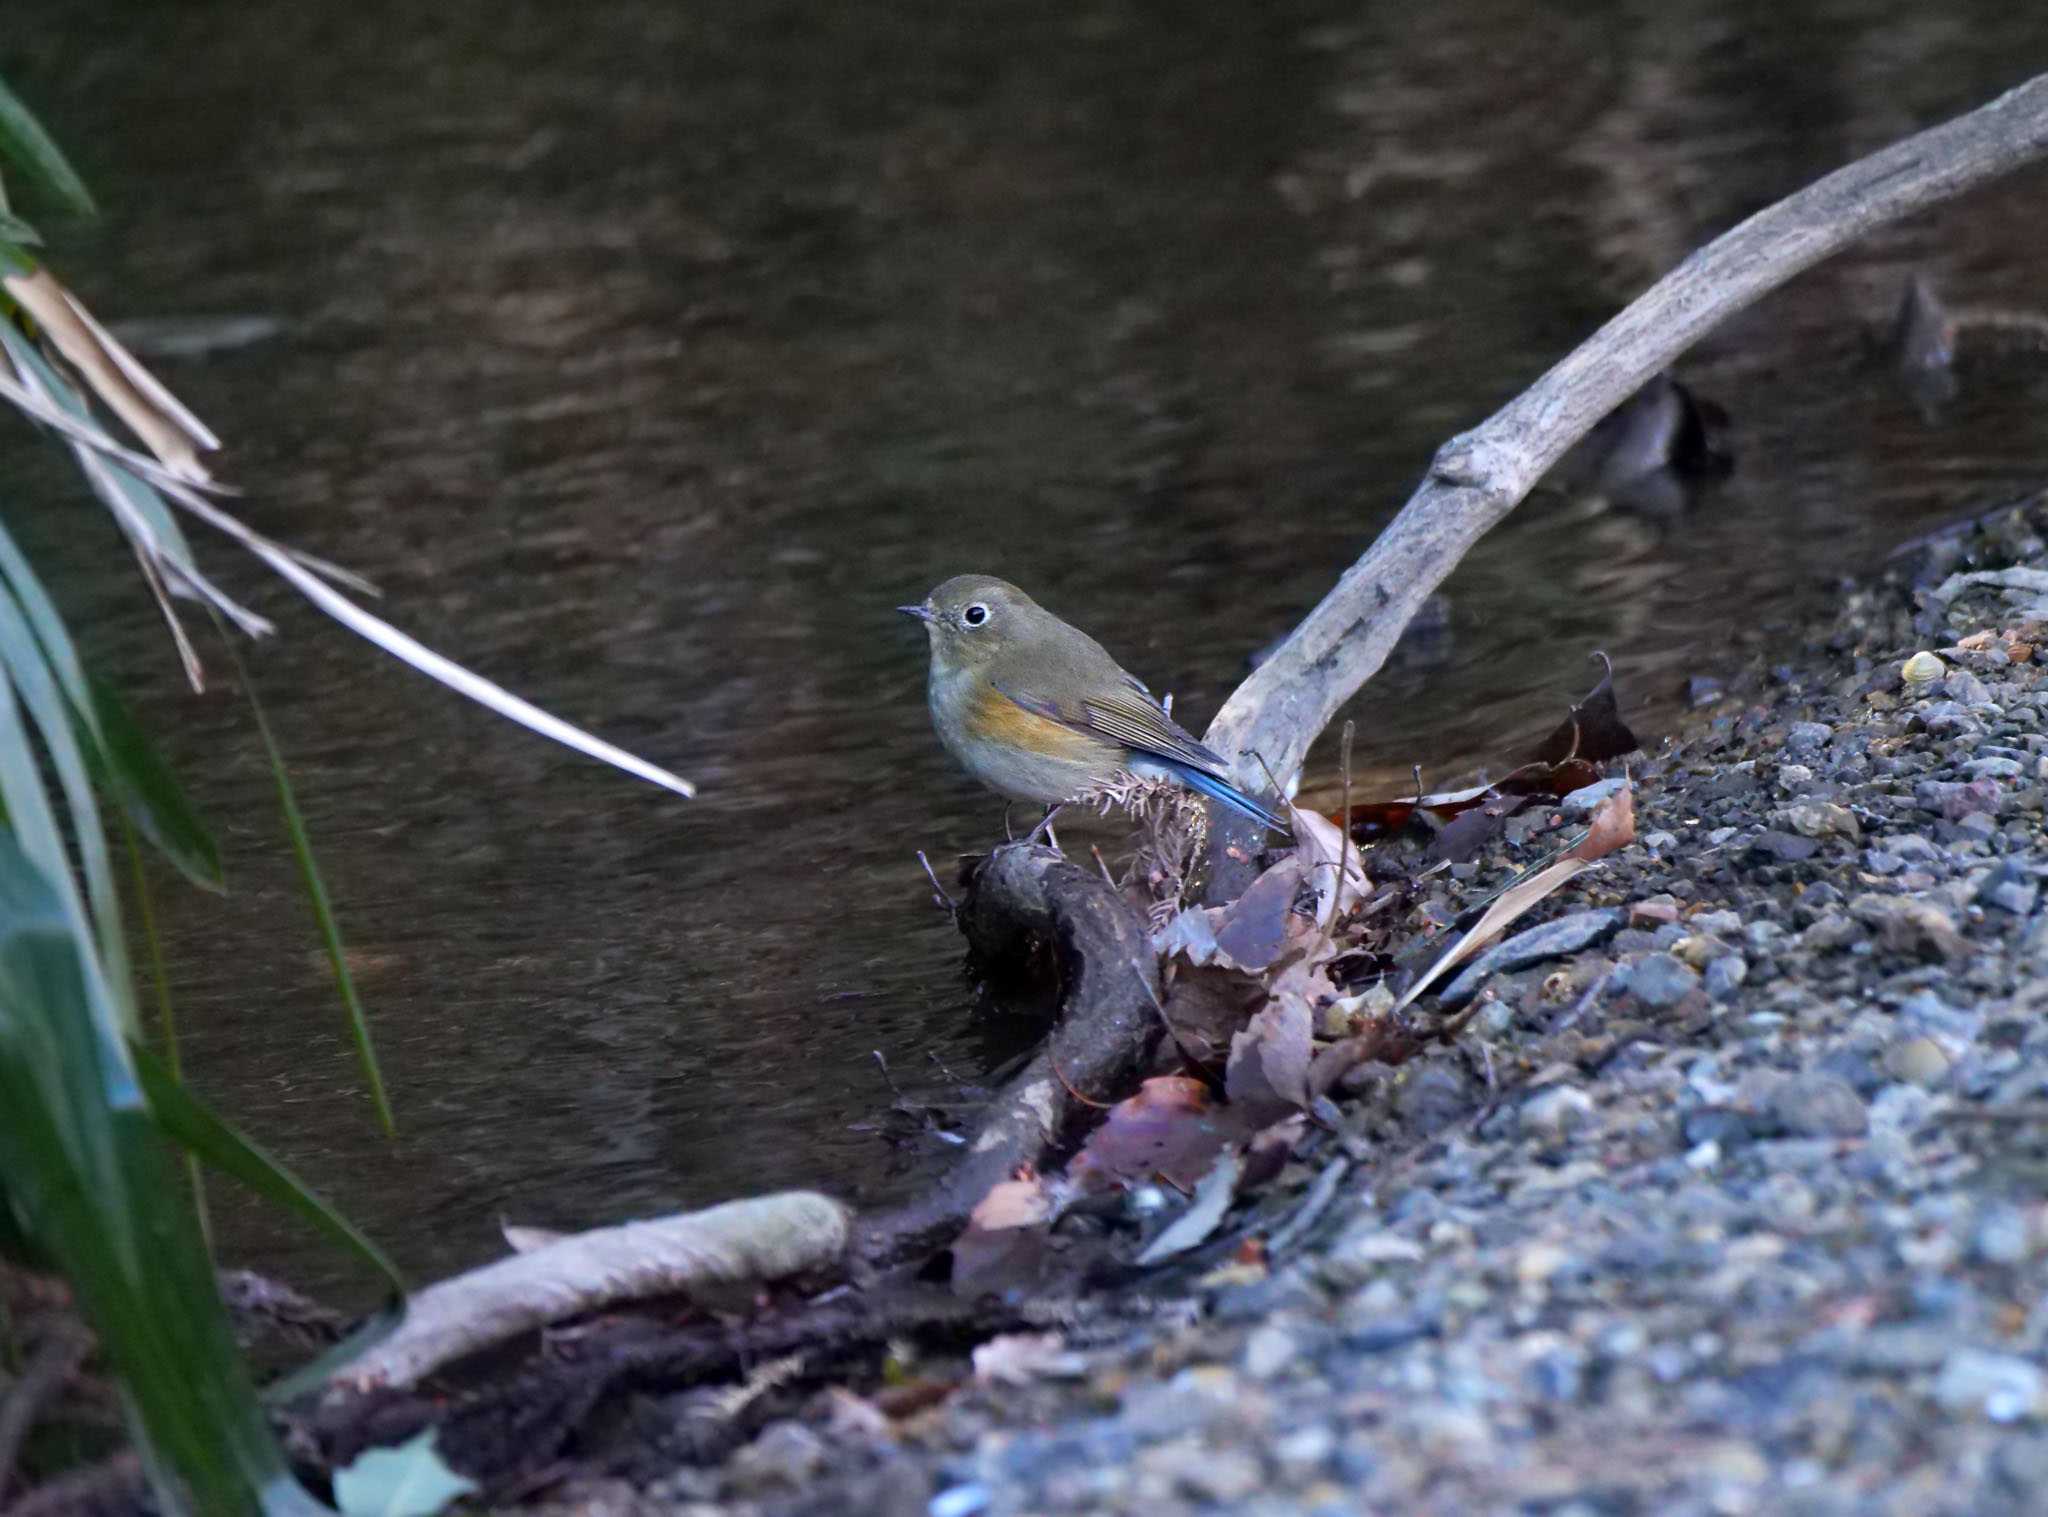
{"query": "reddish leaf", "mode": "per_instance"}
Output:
(1004, 1242)
(1614, 826)
(1593, 732)
(1170, 1128)
(1267, 1077)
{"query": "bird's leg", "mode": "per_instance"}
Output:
(1045, 826)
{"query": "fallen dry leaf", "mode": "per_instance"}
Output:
(1203, 1215)
(1593, 732)
(1319, 847)
(1170, 1128)
(1267, 1077)
(1614, 826)
(151, 412)
(1004, 1242)
(1255, 927)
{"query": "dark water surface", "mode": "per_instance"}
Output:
(646, 355)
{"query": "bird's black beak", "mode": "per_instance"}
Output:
(922, 613)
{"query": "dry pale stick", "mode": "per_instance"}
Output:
(1477, 478)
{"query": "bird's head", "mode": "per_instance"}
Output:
(972, 619)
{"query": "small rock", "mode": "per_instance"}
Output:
(1656, 908)
(1659, 841)
(1224, 1476)
(2003, 1235)
(1994, 767)
(1306, 1450)
(1832, 931)
(1917, 1061)
(1808, 737)
(2003, 1387)
(786, 1457)
(1721, 924)
(1820, 1106)
(969, 1500)
(1556, 1113)
(1703, 690)
(1824, 819)
(1724, 1126)
(1725, 976)
(1586, 800)
(1965, 687)
(1552, 940)
(1911, 926)
(1881, 863)
(1787, 847)
(2011, 888)
(1268, 1350)
(1659, 980)
(1794, 777)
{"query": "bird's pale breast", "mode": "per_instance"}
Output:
(1016, 752)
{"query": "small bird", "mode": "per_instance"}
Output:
(1038, 710)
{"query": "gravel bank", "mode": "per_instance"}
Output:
(1729, 1199)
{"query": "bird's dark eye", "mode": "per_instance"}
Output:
(974, 615)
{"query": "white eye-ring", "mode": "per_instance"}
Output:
(974, 615)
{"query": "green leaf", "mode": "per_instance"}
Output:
(323, 910)
(411, 1480)
(14, 229)
(21, 787)
(25, 143)
(149, 793)
(192, 1123)
(88, 1184)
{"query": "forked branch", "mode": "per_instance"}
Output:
(1477, 478)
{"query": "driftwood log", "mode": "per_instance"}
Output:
(1478, 477)
(1109, 1025)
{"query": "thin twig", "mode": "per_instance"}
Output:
(940, 898)
(1060, 1075)
(1321, 1192)
(1343, 832)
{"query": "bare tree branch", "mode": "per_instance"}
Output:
(762, 1238)
(1477, 478)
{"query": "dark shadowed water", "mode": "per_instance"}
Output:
(647, 355)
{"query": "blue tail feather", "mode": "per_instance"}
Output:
(1222, 790)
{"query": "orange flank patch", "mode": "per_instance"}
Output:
(995, 718)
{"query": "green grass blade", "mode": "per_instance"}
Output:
(47, 621)
(23, 658)
(149, 794)
(189, 1120)
(166, 1014)
(24, 142)
(323, 910)
(86, 1181)
(124, 759)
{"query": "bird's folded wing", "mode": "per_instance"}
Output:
(1131, 718)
